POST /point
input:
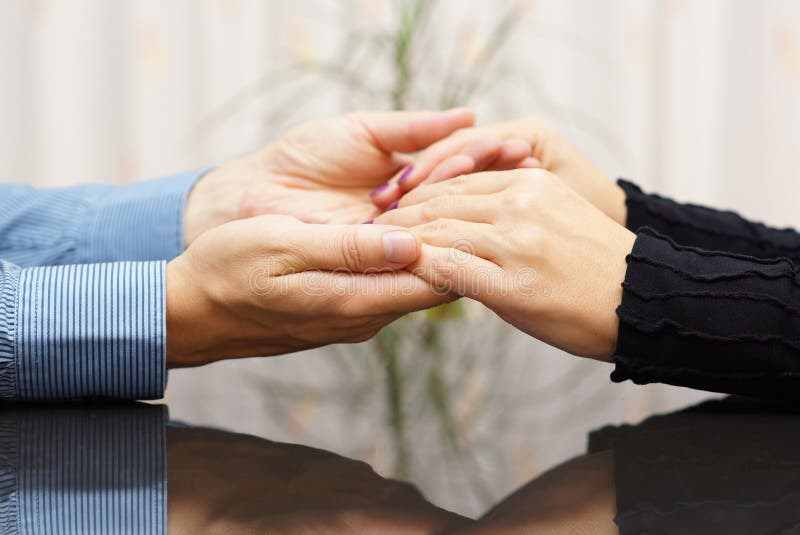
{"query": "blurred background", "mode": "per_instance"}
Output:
(697, 99)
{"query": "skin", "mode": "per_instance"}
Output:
(527, 246)
(270, 285)
(268, 215)
(319, 172)
(548, 150)
(326, 172)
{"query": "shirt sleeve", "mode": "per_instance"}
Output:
(710, 320)
(83, 331)
(88, 470)
(94, 222)
(707, 228)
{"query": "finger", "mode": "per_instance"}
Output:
(385, 194)
(474, 184)
(356, 248)
(531, 162)
(483, 151)
(430, 158)
(459, 273)
(477, 239)
(462, 207)
(398, 131)
(454, 166)
(512, 153)
(363, 294)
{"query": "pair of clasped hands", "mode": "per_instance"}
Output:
(345, 224)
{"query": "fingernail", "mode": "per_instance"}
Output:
(368, 222)
(405, 174)
(400, 246)
(392, 206)
(379, 189)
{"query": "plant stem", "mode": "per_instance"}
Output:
(411, 14)
(387, 350)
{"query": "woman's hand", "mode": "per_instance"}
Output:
(322, 171)
(527, 246)
(270, 285)
(547, 149)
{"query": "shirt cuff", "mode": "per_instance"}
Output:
(91, 331)
(142, 221)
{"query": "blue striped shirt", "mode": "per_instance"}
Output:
(82, 298)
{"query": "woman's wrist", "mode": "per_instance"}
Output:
(615, 201)
(622, 246)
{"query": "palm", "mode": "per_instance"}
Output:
(323, 171)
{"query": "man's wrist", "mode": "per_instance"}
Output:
(217, 198)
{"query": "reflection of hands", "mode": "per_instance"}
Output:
(319, 172)
(270, 285)
(575, 498)
(539, 255)
(546, 149)
(226, 483)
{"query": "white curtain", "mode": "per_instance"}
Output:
(697, 99)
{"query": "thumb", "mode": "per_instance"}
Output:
(410, 131)
(357, 248)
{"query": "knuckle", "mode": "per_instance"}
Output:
(523, 201)
(433, 208)
(350, 251)
(437, 227)
(455, 185)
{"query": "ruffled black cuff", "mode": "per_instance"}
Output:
(707, 228)
(713, 321)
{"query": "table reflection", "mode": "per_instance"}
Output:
(729, 466)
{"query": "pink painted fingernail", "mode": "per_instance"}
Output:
(368, 222)
(405, 174)
(392, 206)
(380, 189)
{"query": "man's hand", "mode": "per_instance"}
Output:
(527, 246)
(270, 285)
(322, 171)
(548, 150)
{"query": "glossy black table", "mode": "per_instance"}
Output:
(727, 466)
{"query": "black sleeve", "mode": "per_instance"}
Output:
(709, 320)
(707, 228)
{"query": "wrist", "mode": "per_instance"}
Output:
(189, 333)
(623, 245)
(615, 205)
(217, 197)
(605, 194)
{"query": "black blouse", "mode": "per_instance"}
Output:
(710, 301)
